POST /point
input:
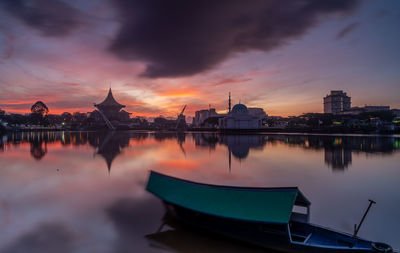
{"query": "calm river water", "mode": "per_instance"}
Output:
(85, 191)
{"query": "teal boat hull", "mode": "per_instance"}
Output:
(260, 216)
(271, 236)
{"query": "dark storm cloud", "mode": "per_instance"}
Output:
(51, 17)
(346, 30)
(181, 38)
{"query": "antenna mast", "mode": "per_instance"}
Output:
(229, 103)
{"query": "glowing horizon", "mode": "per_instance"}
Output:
(353, 47)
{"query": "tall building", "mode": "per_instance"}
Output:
(111, 108)
(202, 115)
(337, 102)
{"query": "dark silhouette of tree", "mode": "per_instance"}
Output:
(40, 108)
(39, 112)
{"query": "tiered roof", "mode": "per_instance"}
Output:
(109, 102)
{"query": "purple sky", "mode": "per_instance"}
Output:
(283, 56)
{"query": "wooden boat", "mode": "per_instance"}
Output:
(260, 216)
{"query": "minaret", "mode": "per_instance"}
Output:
(229, 103)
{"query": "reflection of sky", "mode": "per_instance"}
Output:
(70, 191)
(71, 73)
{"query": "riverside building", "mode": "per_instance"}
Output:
(336, 102)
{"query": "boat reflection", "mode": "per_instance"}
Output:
(174, 236)
(338, 150)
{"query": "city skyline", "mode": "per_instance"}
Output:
(71, 63)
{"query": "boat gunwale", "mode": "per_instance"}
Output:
(315, 246)
(229, 187)
(331, 230)
(303, 199)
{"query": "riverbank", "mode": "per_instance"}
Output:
(301, 130)
(226, 131)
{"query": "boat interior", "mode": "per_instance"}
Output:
(308, 234)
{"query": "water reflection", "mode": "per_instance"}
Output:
(174, 236)
(56, 184)
(109, 146)
(338, 158)
(338, 150)
(38, 148)
(46, 238)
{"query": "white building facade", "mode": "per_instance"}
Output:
(240, 118)
(202, 115)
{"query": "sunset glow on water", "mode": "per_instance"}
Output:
(85, 191)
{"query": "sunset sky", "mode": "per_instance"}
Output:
(158, 56)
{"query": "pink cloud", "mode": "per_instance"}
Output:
(231, 81)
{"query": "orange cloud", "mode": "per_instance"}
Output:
(179, 94)
(134, 103)
(7, 103)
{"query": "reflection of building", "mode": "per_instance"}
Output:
(240, 118)
(238, 145)
(111, 145)
(338, 158)
(336, 102)
(337, 149)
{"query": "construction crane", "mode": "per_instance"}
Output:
(180, 118)
(181, 114)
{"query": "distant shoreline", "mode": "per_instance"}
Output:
(228, 131)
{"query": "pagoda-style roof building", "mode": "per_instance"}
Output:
(110, 107)
(109, 103)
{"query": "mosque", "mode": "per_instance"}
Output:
(240, 118)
